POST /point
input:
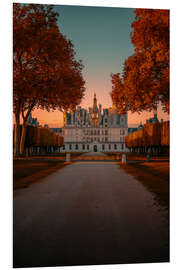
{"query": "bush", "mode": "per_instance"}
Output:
(152, 134)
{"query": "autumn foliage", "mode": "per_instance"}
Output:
(46, 74)
(44, 139)
(152, 134)
(144, 81)
(41, 136)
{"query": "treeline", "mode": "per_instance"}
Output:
(41, 141)
(152, 138)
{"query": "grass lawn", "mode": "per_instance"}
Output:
(29, 170)
(154, 175)
(136, 156)
(26, 172)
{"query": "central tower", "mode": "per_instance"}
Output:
(95, 113)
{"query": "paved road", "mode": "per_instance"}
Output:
(88, 213)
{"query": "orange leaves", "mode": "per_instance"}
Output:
(45, 69)
(145, 79)
(40, 136)
(150, 135)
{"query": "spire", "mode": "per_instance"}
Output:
(95, 104)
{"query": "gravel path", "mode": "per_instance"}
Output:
(88, 213)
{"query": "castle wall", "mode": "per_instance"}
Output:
(85, 130)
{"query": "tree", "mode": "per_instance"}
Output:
(118, 92)
(145, 78)
(45, 72)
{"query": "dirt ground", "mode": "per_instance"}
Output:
(25, 172)
(154, 175)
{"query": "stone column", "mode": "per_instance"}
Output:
(123, 159)
(68, 157)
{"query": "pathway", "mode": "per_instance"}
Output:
(88, 213)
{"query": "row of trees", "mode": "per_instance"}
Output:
(144, 81)
(41, 140)
(151, 135)
(46, 74)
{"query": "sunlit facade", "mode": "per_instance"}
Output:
(96, 129)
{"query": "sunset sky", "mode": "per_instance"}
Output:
(101, 37)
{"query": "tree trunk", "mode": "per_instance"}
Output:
(23, 136)
(17, 135)
(24, 126)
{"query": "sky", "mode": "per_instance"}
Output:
(101, 38)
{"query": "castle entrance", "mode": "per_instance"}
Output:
(95, 148)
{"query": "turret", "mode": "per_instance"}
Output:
(95, 108)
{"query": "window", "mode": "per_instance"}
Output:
(109, 147)
(64, 147)
(106, 139)
(95, 132)
(102, 146)
(115, 146)
(76, 147)
(106, 132)
(98, 132)
(88, 147)
(70, 147)
(122, 147)
(83, 147)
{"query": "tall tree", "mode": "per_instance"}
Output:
(45, 72)
(145, 77)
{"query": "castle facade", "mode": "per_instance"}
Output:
(96, 129)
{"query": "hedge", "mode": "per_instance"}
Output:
(152, 134)
(41, 136)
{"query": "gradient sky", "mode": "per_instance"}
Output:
(101, 37)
